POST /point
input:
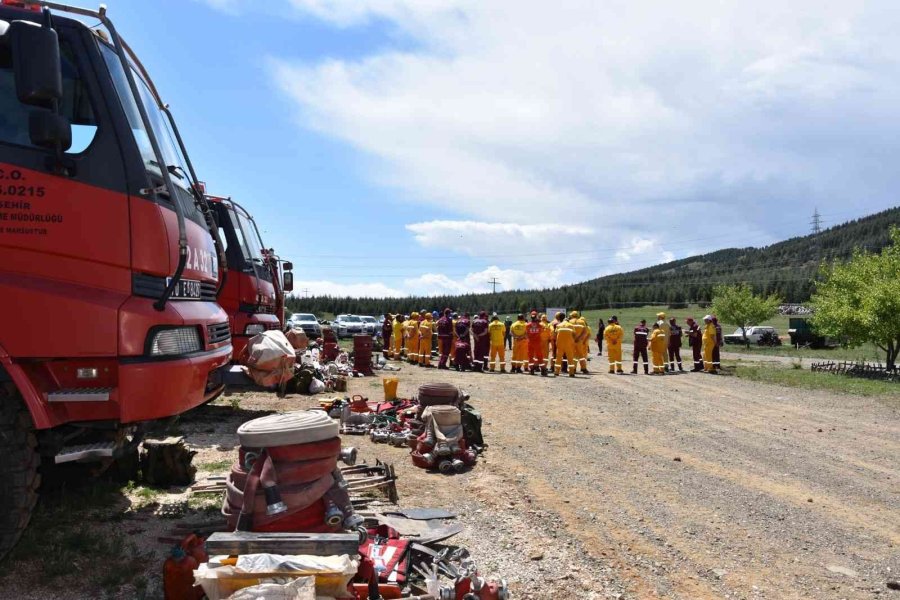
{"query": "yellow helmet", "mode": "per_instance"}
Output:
(574, 314)
(660, 315)
(415, 315)
(560, 316)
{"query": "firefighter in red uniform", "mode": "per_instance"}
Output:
(536, 358)
(674, 346)
(641, 339)
(695, 341)
(445, 338)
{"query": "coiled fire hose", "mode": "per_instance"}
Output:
(286, 477)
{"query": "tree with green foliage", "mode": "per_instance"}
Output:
(738, 305)
(859, 300)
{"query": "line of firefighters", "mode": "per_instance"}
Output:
(537, 344)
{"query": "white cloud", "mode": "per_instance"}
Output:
(431, 284)
(355, 290)
(480, 239)
(633, 118)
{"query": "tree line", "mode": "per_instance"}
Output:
(787, 269)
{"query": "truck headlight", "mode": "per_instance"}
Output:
(175, 340)
(254, 328)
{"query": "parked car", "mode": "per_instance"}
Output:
(347, 325)
(372, 324)
(754, 334)
(308, 323)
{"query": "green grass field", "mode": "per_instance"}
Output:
(804, 378)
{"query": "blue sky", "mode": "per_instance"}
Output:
(425, 146)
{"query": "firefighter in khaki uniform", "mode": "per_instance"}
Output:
(546, 338)
(497, 332)
(397, 337)
(614, 334)
(426, 330)
(564, 342)
(411, 333)
(710, 342)
(580, 333)
(520, 345)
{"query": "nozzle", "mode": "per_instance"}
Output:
(445, 467)
(274, 505)
(458, 465)
(333, 515)
(348, 456)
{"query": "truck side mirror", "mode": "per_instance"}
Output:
(288, 265)
(288, 282)
(49, 130)
(36, 63)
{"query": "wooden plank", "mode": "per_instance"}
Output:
(251, 542)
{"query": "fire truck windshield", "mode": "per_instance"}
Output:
(252, 237)
(172, 157)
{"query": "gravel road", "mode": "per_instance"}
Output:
(685, 486)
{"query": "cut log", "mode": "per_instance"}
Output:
(167, 462)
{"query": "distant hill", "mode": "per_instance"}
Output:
(786, 267)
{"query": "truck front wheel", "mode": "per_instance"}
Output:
(19, 462)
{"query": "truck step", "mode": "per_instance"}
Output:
(85, 451)
(79, 395)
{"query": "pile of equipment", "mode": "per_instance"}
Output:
(286, 476)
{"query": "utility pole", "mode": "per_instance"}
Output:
(494, 283)
(816, 222)
(305, 292)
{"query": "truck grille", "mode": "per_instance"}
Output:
(219, 332)
(151, 286)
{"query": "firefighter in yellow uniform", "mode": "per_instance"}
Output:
(397, 337)
(426, 330)
(658, 349)
(564, 341)
(580, 332)
(520, 345)
(613, 336)
(710, 341)
(411, 332)
(546, 337)
(667, 329)
(497, 333)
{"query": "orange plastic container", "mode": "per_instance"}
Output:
(178, 576)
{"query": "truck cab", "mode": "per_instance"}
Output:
(100, 222)
(255, 280)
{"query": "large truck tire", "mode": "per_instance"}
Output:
(19, 478)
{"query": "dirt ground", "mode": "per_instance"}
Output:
(686, 486)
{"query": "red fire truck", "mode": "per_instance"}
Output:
(253, 283)
(110, 257)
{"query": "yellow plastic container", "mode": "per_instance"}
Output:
(390, 387)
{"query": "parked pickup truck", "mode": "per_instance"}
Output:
(753, 334)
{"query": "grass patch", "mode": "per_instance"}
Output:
(802, 378)
(63, 540)
(217, 466)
